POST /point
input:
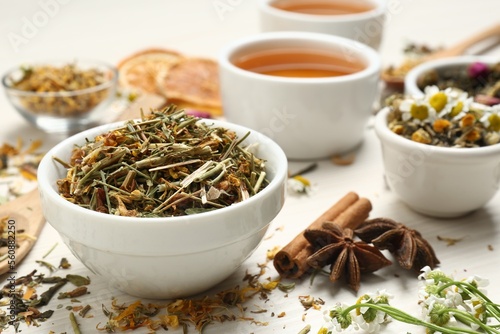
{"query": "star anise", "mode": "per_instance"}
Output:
(411, 250)
(335, 247)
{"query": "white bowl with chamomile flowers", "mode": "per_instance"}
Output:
(441, 151)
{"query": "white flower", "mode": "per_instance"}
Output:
(299, 185)
(436, 98)
(453, 298)
(491, 118)
(476, 308)
(418, 110)
(338, 320)
(459, 103)
(370, 327)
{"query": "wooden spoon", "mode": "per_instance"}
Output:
(24, 216)
(25, 212)
(394, 78)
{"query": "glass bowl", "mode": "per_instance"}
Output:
(59, 96)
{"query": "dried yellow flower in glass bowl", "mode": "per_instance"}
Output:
(61, 96)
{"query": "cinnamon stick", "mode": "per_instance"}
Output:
(349, 211)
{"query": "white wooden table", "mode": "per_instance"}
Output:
(113, 29)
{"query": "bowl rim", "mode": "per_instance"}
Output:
(411, 78)
(379, 9)
(366, 53)
(388, 137)
(50, 191)
(108, 83)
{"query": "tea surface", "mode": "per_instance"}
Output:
(324, 7)
(298, 63)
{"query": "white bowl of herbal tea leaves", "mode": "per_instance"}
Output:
(478, 76)
(165, 206)
(441, 151)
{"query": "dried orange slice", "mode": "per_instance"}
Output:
(193, 82)
(144, 70)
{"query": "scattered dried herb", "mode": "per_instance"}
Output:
(311, 302)
(29, 307)
(305, 330)
(78, 280)
(167, 164)
(50, 250)
(46, 296)
(83, 312)
(286, 287)
(227, 305)
(47, 265)
(74, 323)
(449, 241)
(64, 264)
(79, 291)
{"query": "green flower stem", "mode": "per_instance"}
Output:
(494, 309)
(407, 318)
(468, 318)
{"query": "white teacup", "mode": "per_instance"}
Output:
(366, 27)
(310, 118)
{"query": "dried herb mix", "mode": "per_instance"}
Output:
(47, 79)
(447, 118)
(167, 164)
(480, 80)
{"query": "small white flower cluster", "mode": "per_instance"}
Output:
(448, 307)
(461, 304)
(450, 104)
(364, 315)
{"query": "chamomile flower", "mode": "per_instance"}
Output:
(436, 98)
(299, 185)
(491, 118)
(418, 110)
(459, 104)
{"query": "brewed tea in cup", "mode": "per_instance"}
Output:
(312, 93)
(359, 20)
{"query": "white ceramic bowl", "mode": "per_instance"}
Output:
(439, 65)
(438, 181)
(164, 257)
(310, 118)
(364, 27)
